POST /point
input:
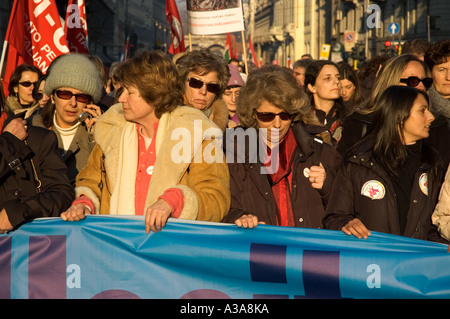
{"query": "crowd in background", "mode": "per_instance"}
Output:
(336, 148)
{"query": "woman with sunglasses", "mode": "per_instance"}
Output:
(405, 70)
(73, 85)
(136, 167)
(39, 94)
(391, 182)
(21, 86)
(280, 173)
(205, 77)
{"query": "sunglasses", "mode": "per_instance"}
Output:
(39, 96)
(198, 84)
(414, 81)
(67, 95)
(27, 84)
(269, 116)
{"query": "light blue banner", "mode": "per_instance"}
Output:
(113, 257)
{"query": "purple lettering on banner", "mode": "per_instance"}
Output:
(47, 267)
(268, 263)
(321, 274)
(5, 267)
(205, 294)
(116, 294)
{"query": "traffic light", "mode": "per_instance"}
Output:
(354, 53)
(361, 55)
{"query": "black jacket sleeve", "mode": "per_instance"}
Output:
(56, 193)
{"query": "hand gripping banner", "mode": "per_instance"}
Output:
(113, 257)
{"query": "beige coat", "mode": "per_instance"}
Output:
(441, 214)
(108, 179)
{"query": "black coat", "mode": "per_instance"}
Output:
(357, 125)
(251, 191)
(18, 194)
(363, 190)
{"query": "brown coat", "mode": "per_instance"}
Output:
(204, 186)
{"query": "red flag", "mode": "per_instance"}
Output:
(75, 27)
(173, 18)
(34, 36)
(229, 54)
(252, 50)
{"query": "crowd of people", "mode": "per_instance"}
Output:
(195, 137)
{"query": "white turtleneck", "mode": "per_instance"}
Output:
(67, 134)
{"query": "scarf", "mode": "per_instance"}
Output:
(281, 179)
(439, 104)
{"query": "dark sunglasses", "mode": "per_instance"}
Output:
(414, 81)
(39, 96)
(67, 95)
(27, 84)
(198, 84)
(269, 116)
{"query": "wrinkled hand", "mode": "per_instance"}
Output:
(317, 176)
(356, 227)
(5, 224)
(247, 221)
(157, 215)
(75, 212)
(18, 128)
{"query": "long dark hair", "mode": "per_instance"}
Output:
(386, 137)
(311, 74)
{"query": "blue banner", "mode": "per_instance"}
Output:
(112, 257)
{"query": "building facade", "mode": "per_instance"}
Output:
(284, 30)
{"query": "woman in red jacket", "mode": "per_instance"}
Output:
(280, 173)
(392, 181)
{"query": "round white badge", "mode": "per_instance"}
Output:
(306, 172)
(150, 170)
(423, 183)
(373, 189)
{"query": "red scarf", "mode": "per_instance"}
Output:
(282, 179)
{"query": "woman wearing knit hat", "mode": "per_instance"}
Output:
(137, 167)
(73, 85)
(231, 93)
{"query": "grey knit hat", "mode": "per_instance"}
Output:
(76, 71)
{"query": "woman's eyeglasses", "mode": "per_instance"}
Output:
(67, 95)
(414, 81)
(27, 84)
(269, 116)
(198, 84)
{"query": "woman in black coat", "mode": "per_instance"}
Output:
(281, 173)
(33, 179)
(391, 182)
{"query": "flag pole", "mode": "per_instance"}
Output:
(5, 43)
(190, 43)
(245, 52)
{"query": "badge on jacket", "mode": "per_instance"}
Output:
(373, 189)
(423, 183)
